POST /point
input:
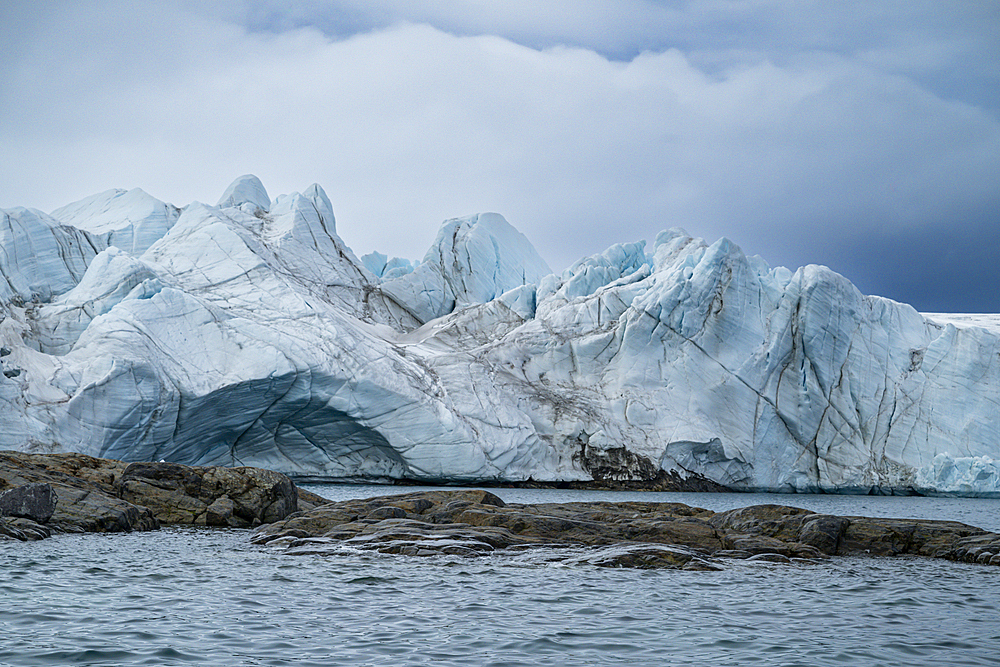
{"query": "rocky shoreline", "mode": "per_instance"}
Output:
(618, 534)
(45, 493)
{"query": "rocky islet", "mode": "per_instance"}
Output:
(42, 494)
(616, 534)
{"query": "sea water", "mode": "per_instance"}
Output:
(184, 596)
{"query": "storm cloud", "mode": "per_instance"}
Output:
(865, 137)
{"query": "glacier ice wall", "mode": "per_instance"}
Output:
(248, 333)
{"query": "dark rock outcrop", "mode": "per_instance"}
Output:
(84, 486)
(105, 495)
(213, 496)
(24, 530)
(855, 535)
(32, 501)
(627, 534)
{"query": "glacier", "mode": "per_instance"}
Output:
(248, 333)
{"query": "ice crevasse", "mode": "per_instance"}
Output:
(248, 333)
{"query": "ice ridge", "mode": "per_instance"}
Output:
(248, 333)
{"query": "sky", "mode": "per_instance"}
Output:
(862, 135)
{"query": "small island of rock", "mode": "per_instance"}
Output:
(41, 494)
(621, 534)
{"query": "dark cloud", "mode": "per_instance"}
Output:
(805, 134)
(942, 268)
(952, 47)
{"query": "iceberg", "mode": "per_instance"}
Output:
(968, 475)
(248, 333)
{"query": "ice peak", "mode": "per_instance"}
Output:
(473, 260)
(317, 196)
(246, 189)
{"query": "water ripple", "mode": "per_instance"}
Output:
(188, 596)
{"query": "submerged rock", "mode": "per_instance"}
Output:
(626, 534)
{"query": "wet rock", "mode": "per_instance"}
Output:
(770, 558)
(763, 544)
(891, 537)
(35, 501)
(24, 530)
(627, 534)
(777, 521)
(83, 486)
(475, 522)
(309, 500)
(220, 512)
(80, 470)
(853, 535)
(646, 557)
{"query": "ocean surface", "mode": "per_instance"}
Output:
(187, 596)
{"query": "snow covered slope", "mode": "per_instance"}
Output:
(247, 333)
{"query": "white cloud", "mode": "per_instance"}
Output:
(408, 125)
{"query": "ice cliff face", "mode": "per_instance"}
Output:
(247, 333)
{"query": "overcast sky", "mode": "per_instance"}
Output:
(860, 135)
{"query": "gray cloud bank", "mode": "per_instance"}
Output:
(866, 138)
